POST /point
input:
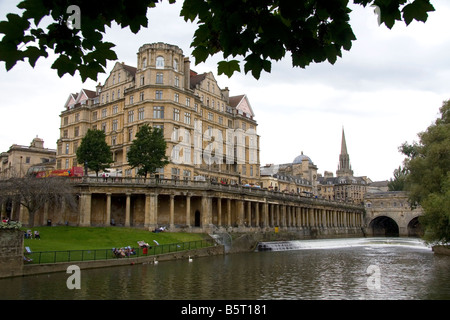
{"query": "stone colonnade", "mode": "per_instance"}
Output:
(203, 211)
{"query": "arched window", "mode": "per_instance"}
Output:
(144, 62)
(160, 62)
(175, 64)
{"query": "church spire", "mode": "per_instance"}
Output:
(343, 143)
(344, 168)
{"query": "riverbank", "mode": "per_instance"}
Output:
(440, 249)
(34, 269)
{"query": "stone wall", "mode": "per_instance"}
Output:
(11, 252)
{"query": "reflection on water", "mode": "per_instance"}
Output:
(406, 272)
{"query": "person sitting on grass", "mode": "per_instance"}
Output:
(36, 235)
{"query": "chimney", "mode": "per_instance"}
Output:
(187, 73)
(226, 94)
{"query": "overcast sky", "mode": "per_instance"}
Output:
(384, 91)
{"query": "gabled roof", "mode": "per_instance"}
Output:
(85, 94)
(71, 100)
(196, 78)
(129, 69)
(242, 104)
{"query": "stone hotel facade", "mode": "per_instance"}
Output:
(210, 134)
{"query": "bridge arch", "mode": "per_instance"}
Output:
(384, 226)
(415, 228)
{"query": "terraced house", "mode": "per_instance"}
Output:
(210, 134)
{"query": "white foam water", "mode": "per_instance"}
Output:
(340, 243)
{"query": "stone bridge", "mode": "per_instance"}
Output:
(199, 206)
(389, 214)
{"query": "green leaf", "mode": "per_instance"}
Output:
(228, 67)
(418, 10)
(200, 53)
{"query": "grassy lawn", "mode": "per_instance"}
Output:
(90, 238)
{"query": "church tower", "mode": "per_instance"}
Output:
(344, 167)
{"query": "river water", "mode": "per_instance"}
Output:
(356, 269)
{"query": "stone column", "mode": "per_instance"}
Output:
(240, 212)
(188, 210)
(249, 213)
(229, 212)
(257, 214)
(127, 210)
(152, 207)
(266, 214)
(219, 211)
(85, 210)
(172, 212)
(108, 210)
(206, 211)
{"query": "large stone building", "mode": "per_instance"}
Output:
(19, 159)
(210, 134)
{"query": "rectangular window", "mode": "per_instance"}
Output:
(158, 112)
(175, 173)
(115, 109)
(115, 125)
(159, 78)
(187, 118)
(158, 94)
(176, 114)
(141, 113)
(130, 116)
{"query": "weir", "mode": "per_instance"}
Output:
(340, 243)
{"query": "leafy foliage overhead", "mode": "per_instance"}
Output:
(255, 31)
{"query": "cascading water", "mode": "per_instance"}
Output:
(339, 243)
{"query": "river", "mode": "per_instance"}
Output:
(355, 269)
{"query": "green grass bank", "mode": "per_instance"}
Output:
(85, 238)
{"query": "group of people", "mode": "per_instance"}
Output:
(29, 235)
(123, 252)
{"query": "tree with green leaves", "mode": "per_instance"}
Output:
(148, 151)
(256, 32)
(428, 178)
(398, 182)
(94, 152)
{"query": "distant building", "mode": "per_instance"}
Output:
(210, 134)
(299, 176)
(19, 159)
(344, 187)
